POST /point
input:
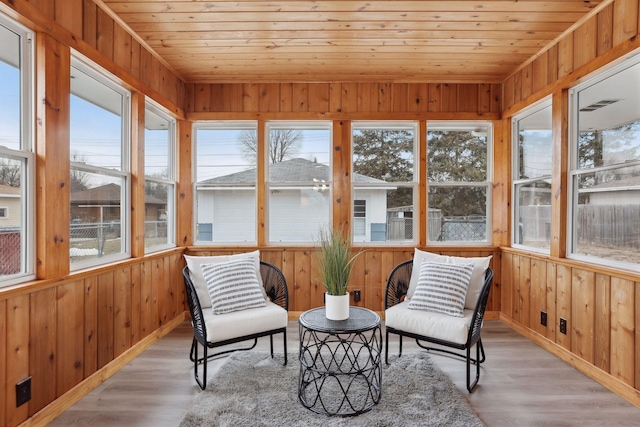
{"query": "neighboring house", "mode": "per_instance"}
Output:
(10, 206)
(619, 192)
(227, 210)
(102, 204)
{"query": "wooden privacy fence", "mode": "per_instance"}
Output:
(609, 225)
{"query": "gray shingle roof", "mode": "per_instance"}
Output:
(294, 170)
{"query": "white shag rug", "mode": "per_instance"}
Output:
(251, 389)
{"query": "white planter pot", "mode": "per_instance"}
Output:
(337, 306)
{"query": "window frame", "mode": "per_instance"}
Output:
(96, 72)
(414, 185)
(25, 154)
(270, 186)
(515, 181)
(467, 125)
(574, 170)
(220, 125)
(170, 181)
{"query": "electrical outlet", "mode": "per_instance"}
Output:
(543, 318)
(23, 391)
(563, 326)
(357, 295)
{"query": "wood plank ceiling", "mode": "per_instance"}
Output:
(350, 40)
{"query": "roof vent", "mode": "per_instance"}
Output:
(599, 104)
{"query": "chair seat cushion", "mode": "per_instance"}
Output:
(235, 324)
(429, 323)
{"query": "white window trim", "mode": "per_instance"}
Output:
(414, 184)
(594, 78)
(218, 125)
(5, 210)
(466, 126)
(515, 181)
(98, 73)
(26, 153)
(172, 159)
(270, 186)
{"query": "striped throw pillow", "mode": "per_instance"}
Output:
(442, 288)
(233, 286)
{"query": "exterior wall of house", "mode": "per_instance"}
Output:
(14, 211)
(601, 305)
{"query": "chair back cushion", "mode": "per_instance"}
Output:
(195, 272)
(480, 265)
(442, 288)
(233, 286)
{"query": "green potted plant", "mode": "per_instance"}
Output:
(335, 263)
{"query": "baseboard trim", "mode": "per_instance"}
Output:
(64, 402)
(605, 379)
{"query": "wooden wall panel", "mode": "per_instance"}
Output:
(538, 291)
(105, 333)
(540, 72)
(122, 311)
(17, 357)
(70, 313)
(585, 42)
(625, 20)
(68, 13)
(552, 314)
(506, 299)
(42, 348)
(563, 304)
(605, 30)
(583, 313)
(90, 325)
(623, 330)
(602, 322)
(52, 159)
(345, 98)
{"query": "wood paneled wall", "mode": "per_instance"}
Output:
(370, 273)
(63, 332)
(601, 38)
(478, 99)
(601, 305)
(83, 26)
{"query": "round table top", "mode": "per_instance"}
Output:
(360, 319)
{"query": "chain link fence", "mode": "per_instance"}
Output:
(10, 253)
(464, 228)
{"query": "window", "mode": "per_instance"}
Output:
(160, 182)
(384, 181)
(459, 182)
(225, 159)
(298, 180)
(605, 168)
(16, 154)
(532, 146)
(99, 177)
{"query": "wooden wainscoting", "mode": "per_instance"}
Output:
(62, 332)
(600, 307)
(369, 275)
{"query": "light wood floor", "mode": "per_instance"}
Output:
(520, 385)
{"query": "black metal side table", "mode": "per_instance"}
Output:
(340, 362)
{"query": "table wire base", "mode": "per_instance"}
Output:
(340, 373)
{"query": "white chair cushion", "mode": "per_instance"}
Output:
(233, 286)
(195, 272)
(442, 288)
(429, 323)
(480, 265)
(222, 327)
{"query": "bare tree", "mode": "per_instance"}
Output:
(283, 144)
(78, 180)
(10, 172)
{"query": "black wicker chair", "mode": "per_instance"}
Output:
(276, 288)
(397, 287)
